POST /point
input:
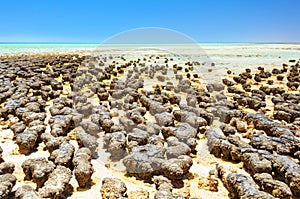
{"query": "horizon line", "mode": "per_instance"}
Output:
(61, 42)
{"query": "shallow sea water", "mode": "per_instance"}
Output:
(234, 56)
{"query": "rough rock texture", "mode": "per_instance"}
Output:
(18, 127)
(37, 170)
(275, 187)
(7, 167)
(189, 117)
(213, 181)
(112, 188)
(164, 119)
(255, 162)
(177, 168)
(176, 148)
(241, 185)
(164, 188)
(56, 184)
(63, 155)
(83, 168)
(139, 136)
(26, 141)
(287, 170)
(90, 127)
(116, 145)
(221, 147)
(26, 192)
(87, 140)
(228, 130)
(7, 182)
(1, 151)
(148, 160)
(262, 122)
(162, 183)
(182, 131)
(144, 161)
(54, 143)
(283, 144)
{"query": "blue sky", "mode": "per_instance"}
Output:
(203, 20)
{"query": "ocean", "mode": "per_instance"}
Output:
(236, 56)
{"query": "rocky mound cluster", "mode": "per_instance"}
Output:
(54, 100)
(269, 146)
(29, 86)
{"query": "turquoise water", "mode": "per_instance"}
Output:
(235, 56)
(19, 48)
(225, 55)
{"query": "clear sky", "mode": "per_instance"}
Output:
(203, 20)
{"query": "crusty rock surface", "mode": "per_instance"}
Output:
(241, 185)
(112, 188)
(26, 141)
(56, 184)
(26, 192)
(7, 167)
(287, 170)
(116, 144)
(63, 155)
(37, 170)
(7, 182)
(144, 161)
(83, 168)
(275, 187)
(87, 140)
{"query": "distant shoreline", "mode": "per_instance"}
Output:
(92, 43)
(213, 49)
